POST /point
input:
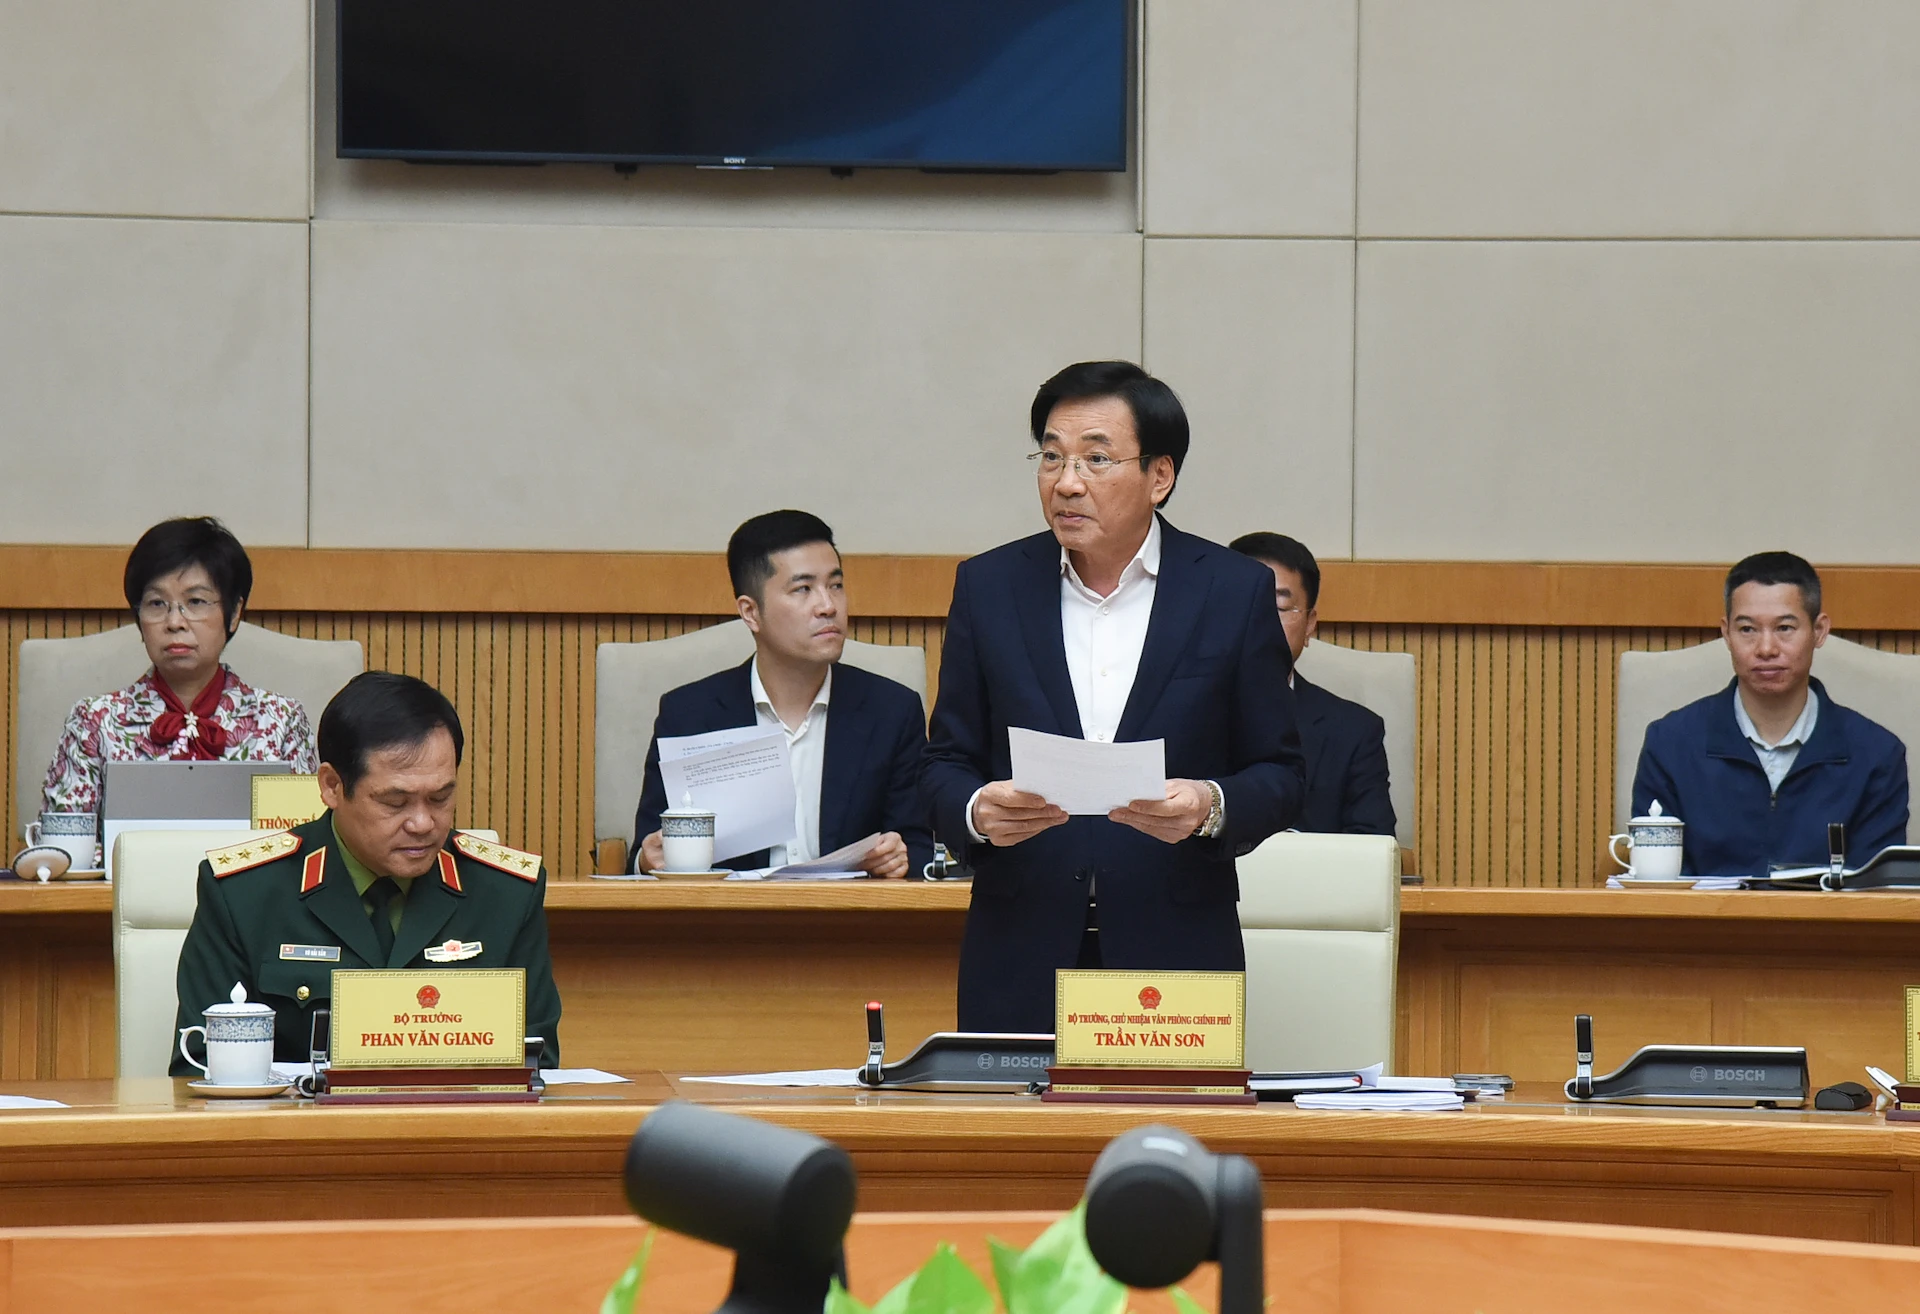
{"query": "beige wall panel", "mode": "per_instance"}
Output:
(644, 388)
(1739, 118)
(152, 368)
(1250, 117)
(1257, 338)
(192, 107)
(1637, 401)
(678, 197)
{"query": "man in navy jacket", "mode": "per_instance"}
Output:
(1344, 742)
(855, 738)
(1759, 770)
(1114, 626)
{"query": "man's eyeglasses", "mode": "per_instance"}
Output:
(1093, 465)
(154, 611)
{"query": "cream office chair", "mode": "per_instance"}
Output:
(1882, 686)
(57, 673)
(629, 679)
(1387, 684)
(153, 902)
(1320, 918)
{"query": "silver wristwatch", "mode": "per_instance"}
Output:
(1210, 828)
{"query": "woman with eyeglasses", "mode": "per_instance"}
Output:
(187, 581)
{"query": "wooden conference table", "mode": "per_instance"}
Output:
(712, 978)
(142, 1151)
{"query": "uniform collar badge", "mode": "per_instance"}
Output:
(453, 951)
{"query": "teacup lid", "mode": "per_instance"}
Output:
(686, 809)
(1656, 816)
(238, 1006)
(42, 862)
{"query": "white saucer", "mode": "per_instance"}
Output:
(267, 1091)
(692, 875)
(1656, 882)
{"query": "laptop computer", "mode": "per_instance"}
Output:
(178, 796)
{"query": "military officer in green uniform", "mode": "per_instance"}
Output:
(381, 880)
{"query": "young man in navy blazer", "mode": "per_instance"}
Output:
(1759, 770)
(855, 738)
(1112, 626)
(1345, 743)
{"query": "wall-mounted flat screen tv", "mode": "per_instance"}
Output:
(927, 84)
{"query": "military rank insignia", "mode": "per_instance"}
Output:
(512, 861)
(252, 853)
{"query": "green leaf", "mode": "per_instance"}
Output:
(1006, 1259)
(946, 1285)
(1058, 1275)
(1183, 1302)
(626, 1289)
(895, 1301)
(839, 1302)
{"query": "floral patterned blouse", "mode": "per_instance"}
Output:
(261, 727)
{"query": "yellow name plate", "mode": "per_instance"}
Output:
(1150, 1019)
(283, 802)
(456, 1018)
(1913, 1034)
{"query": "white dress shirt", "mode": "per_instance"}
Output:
(1778, 759)
(1104, 636)
(807, 755)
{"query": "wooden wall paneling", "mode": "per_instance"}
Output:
(1514, 743)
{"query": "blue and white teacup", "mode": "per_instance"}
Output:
(686, 838)
(239, 1040)
(73, 832)
(1654, 847)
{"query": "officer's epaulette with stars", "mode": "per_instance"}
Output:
(253, 853)
(512, 861)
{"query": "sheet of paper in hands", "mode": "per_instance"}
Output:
(1084, 777)
(840, 865)
(742, 776)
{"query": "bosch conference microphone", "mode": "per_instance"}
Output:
(1159, 1204)
(779, 1199)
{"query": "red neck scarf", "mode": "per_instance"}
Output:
(206, 739)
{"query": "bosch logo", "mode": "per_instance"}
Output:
(1698, 1074)
(985, 1061)
(1739, 1074)
(1022, 1060)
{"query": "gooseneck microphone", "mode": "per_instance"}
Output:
(1582, 1057)
(1159, 1204)
(875, 1070)
(779, 1199)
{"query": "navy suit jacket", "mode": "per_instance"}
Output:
(1703, 771)
(1346, 748)
(1212, 682)
(869, 781)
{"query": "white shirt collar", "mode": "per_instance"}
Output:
(761, 698)
(1795, 738)
(1145, 563)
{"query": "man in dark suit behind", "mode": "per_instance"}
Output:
(855, 738)
(1114, 626)
(1345, 743)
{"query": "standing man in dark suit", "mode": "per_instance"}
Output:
(855, 739)
(1113, 626)
(1345, 743)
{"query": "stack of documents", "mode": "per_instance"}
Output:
(1389, 1094)
(1288, 1085)
(1373, 1098)
(840, 865)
